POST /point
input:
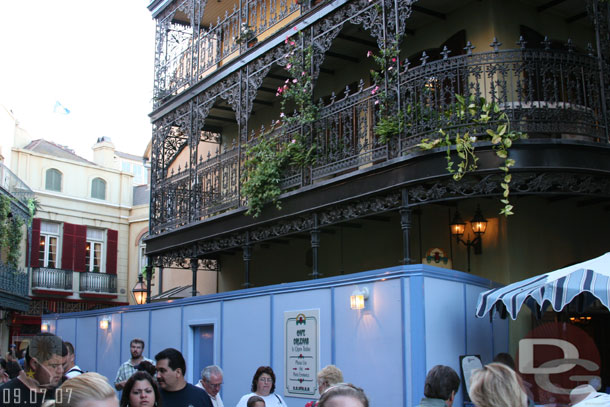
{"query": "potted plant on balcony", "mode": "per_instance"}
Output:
(246, 35)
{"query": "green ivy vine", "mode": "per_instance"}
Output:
(273, 152)
(478, 112)
(390, 122)
(11, 233)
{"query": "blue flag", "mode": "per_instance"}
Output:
(59, 108)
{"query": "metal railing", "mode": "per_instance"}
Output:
(14, 185)
(50, 278)
(13, 280)
(545, 93)
(186, 55)
(98, 282)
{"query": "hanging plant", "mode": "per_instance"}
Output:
(477, 112)
(273, 152)
(390, 122)
(11, 233)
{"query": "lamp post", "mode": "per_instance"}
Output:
(478, 224)
(139, 291)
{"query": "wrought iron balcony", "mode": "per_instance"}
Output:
(13, 281)
(186, 55)
(51, 279)
(547, 94)
(98, 283)
(14, 185)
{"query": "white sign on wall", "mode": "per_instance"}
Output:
(302, 353)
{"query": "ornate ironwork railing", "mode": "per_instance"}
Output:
(186, 55)
(98, 283)
(545, 93)
(13, 280)
(50, 278)
(14, 185)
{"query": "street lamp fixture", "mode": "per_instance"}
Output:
(139, 291)
(478, 224)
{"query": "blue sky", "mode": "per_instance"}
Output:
(94, 57)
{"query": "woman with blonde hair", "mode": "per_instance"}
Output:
(344, 395)
(496, 385)
(86, 390)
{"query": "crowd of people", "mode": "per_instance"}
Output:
(50, 377)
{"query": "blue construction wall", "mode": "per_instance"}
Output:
(415, 317)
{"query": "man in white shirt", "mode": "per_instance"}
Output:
(211, 380)
(70, 368)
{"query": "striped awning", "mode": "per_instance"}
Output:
(557, 288)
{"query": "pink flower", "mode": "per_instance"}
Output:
(294, 28)
(287, 80)
(291, 42)
(288, 66)
(282, 114)
(303, 73)
(393, 59)
(293, 141)
(375, 89)
(390, 68)
(285, 87)
(294, 80)
(376, 102)
(279, 89)
(368, 54)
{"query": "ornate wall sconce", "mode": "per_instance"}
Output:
(478, 224)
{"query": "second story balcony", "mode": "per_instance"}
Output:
(97, 284)
(551, 95)
(46, 279)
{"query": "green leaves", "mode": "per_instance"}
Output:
(479, 112)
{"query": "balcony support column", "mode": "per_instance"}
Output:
(247, 249)
(149, 268)
(194, 268)
(405, 225)
(600, 61)
(315, 244)
(160, 279)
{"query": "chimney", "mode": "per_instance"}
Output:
(103, 153)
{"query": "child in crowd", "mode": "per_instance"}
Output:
(255, 401)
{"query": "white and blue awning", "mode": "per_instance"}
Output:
(557, 288)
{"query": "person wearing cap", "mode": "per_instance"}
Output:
(43, 371)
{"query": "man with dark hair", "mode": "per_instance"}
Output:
(43, 371)
(136, 347)
(442, 383)
(70, 368)
(175, 391)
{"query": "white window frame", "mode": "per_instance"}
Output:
(95, 237)
(47, 235)
(142, 260)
